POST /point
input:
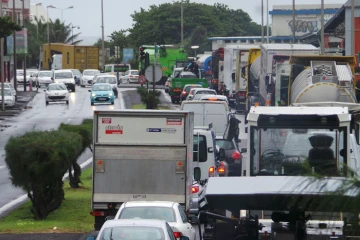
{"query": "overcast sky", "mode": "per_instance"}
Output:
(87, 13)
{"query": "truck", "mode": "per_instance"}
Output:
(286, 147)
(217, 58)
(205, 63)
(57, 56)
(141, 155)
(168, 56)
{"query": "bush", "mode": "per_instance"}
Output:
(149, 98)
(37, 162)
(86, 134)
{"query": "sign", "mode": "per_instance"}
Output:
(142, 79)
(149, 73)
(128, 55)
(21, 43)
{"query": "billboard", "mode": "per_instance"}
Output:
(128, 55)
(21, 43)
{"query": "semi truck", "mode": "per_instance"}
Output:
(141, 155)
(57, 56)
(287, 146)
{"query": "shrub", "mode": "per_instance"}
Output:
(37, 162)
(149, 98)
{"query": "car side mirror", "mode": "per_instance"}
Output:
(89, 90)
(90, 238)
(197, 174)
(243, 150)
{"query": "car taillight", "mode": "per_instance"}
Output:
(131, 76)
(195, 189)
(211, 171)
(177, 234)
(184, 93)
(236, 155)
(221, 168)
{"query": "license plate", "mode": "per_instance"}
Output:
(102, 99)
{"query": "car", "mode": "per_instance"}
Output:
(30, 74)
(11, 88)
(136, 229)
(98, 75)
(187, 89)
(194, 208)
(66, 77)
(171, 212)
(195, 91)
(233, 156)
(77, 74)
(88, 76)
(44, 78)
(130, 76)
(9, 98)
(210, 97)
(56, 92)
(111, 79)
(102, 93)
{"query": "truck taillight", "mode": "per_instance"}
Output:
(98, 213)
(211, 171)
(221, 168)
(236, 155)
(195, 189)
(177, 234)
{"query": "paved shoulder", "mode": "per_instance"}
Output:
(43, 236)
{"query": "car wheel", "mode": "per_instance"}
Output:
(46, 102)
(112, 103)
(67, 102)
(92, 104)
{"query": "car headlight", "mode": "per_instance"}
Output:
(110, 94)
(94, 95)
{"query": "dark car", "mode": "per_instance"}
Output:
(233, 156)
(187, 89)
(77, 75)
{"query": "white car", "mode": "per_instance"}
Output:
(11, 88)
(88, 76)
(56, 92)
(130, 76)
(66, 77)
(171, 212)
(111, 79)
(44, 78)
(135, 229)
(9, 98)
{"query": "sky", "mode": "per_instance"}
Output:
(87, 13)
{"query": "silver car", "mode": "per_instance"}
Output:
(11, 88)
(56, 92)
(88, 76)
(44, 78)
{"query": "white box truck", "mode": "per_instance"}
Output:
(143, 155)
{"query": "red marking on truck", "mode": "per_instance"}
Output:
(106, 120)
(173, 121)
(113, 131)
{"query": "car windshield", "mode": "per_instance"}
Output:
(198, 96)
(134, 72)
(111, 80)
(132, 233)
(45, 74)
(20, 73)
(101, 88)
(205, 92)
(90, 73)
(292, 152)
(188, 88)
(147, 212)
(57, 87)
(63, 75)
(76, 72)
(225, 144)
(7, 92)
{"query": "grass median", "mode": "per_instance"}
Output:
(73, 216)
(142, 106)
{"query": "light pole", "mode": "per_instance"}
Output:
(322, 29)
(294, 24)
(195, 47)
(182, 23)
(267, 21)
(24, 61)
(62, 9)
(262, 21)
(14, 46)
(102, 34)
(2, 65)
(72, 33)
(48, 20)
(37, 18)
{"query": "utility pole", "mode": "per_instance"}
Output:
(353, 27)
(267, 21)
(322, 29)
(262, 21)
(23, 26)
(103, 37)
(293, 24)
(182, 23)
(2, 66)
(154, 81)
(14, 47)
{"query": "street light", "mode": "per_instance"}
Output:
(102, 34)
(62, 9)
(37, 18)
(48, 19)
(72, 33)
(195, 47)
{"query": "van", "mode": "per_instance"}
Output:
(207, 112)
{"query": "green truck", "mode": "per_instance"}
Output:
(168, 56)
(177, 84)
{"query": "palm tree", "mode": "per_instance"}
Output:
(61, 33)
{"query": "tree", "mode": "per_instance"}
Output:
(8, 27)
(148, 97)
(61, 33)
(37, 162)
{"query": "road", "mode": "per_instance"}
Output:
(42, 117)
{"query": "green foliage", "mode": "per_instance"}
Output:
(37, 162)
(150, 99)
(8, 27)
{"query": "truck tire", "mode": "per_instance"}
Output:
(99, 222)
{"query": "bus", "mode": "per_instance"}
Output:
(117, 68)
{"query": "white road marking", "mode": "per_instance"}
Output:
(24, 197)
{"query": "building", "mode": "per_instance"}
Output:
(37, 11)
(7, 6)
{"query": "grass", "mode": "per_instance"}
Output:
(142, 106)
(73, 216)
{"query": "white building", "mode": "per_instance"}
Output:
(38, 11)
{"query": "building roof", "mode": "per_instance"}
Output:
(285, 46)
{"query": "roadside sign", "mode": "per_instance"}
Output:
(149, 73)
(142, 79)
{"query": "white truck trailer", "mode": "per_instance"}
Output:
(141, 155)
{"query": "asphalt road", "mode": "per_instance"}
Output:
(42, 117)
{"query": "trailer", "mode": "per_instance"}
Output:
(141, 155)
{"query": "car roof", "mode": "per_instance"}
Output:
(63, 70)
(101, 84)
(45, 71)
(149, 204)
(135, 222)
(106, 75)
(91, 70)
(213, 96)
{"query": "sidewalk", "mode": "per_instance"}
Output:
(23, 98)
